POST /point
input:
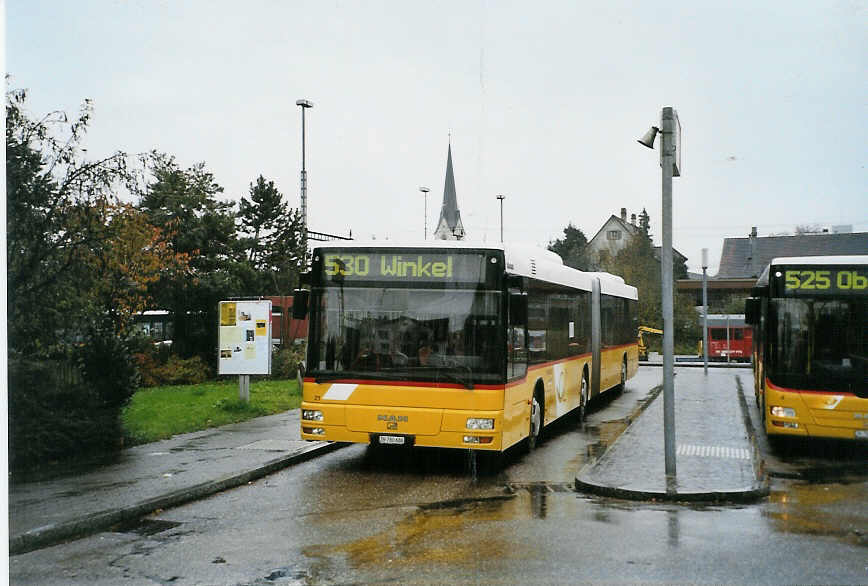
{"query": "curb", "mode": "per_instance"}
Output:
(55, 533)
(715, 497)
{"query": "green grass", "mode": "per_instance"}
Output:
(161, 412)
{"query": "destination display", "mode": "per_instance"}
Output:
(354, 265)
(819, 280)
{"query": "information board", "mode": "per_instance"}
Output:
(244, 339)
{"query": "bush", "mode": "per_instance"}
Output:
(159, 368)
(285, 361)
(181, 371)
(69, 407)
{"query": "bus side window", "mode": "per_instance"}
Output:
(516, 333)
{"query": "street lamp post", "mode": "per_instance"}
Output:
(305, 104)
(501, 198)
(670, 161)
(705, 310)
(425, 191)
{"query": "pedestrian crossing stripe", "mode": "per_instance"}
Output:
(713, 452)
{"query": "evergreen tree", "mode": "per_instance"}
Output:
(571, 248)
(184, 203)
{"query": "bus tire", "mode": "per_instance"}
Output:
(533, 436)
(623, 384)
(584, 389)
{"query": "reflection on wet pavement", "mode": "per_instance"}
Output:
(812, 509)
(434, 534)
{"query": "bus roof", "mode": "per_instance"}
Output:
(521, 259)
(855, 259)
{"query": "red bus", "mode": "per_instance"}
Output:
(729, 338)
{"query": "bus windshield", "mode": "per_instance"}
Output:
(819, 343)
(386, 333)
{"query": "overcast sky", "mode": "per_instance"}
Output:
(544, 102)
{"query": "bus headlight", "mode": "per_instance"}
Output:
(783, 411)
(473, 439)
(311, 415)
(478, 423)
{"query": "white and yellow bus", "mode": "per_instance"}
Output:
(453, 345)
(810, 346)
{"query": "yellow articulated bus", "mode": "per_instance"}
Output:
(810, 346)
(453, 345)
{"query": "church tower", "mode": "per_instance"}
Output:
(449, 227)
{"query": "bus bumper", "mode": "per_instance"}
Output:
(814, 414)
(441, 428)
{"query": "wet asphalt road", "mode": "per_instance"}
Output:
(356, 516)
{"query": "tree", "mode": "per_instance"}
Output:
(571, 248)
(56, 207)
(637, 264)
(69, 375)
(123, 271)
(272, 236)
(183, 203)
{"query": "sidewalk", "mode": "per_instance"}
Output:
(716, 454)
(154, 476)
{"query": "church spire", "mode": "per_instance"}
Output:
(449, 226)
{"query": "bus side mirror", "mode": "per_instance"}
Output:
(517, 309)
(752, 310)
(299, 303)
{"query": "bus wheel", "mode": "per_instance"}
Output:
(583, 398)
(535, 424)
(623, 383)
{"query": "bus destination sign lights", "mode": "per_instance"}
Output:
(424, 266)
(814, 280)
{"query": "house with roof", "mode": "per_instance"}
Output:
(742, 260)
(615, 234)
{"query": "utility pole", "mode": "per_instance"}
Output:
(501, 198)
(305, 104)
(670, 161)
(705, 310)
(425, 191)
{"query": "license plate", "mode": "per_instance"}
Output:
(861, 434)
(396, 440)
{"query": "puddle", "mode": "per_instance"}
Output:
(831, 510)
(146, 527)
(433, 533)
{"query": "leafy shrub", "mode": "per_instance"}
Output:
(182, 371)
(69, 407)
(285, 361)
(158, 368)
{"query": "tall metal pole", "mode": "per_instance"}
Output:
(425, 191)
(501, 198)
(668, 160)
(705, 310)
(305, 104)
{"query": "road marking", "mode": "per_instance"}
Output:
(713, 452)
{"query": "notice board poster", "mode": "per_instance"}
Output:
(244, 338)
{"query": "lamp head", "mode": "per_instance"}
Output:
(304, 103)
(648, 139)
(424, 189)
